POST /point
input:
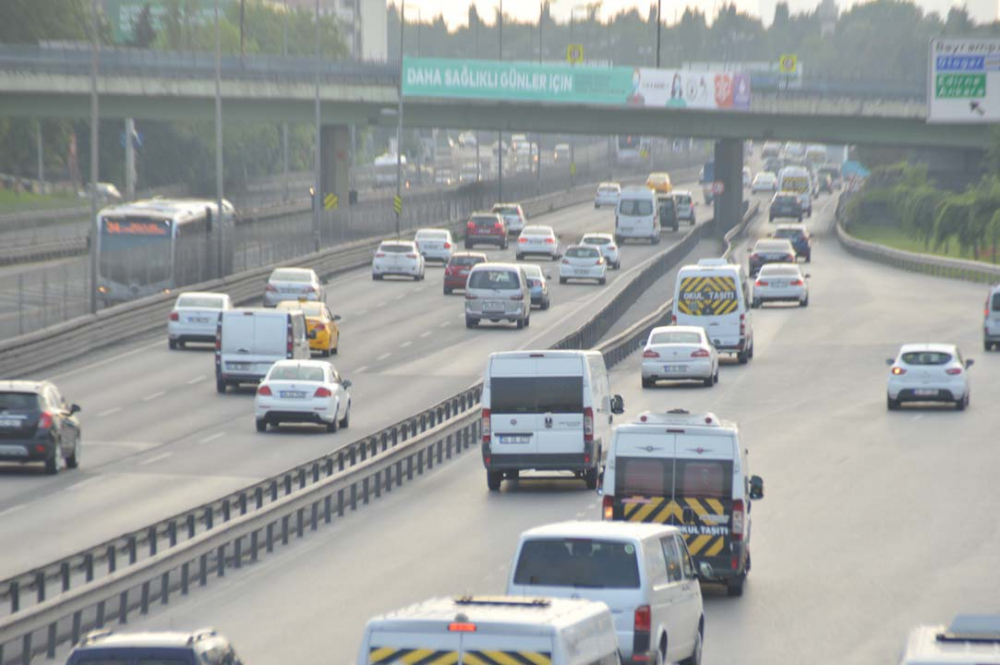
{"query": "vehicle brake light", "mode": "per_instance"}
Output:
(264, 390)
(673, 319)
(550, 241)
(379, 255)
(743, 324)
(588, 425)
(447, 245)
(45, 421)
(288, 343)
(608, 505)
(270, 288)
(737, 518)
(486, 425)
(796, 282)
(953, 371)
(649, 353)
(700, 353)
(522, 240)
(898, 371)
(643, 619)
(319, 327)
(458, 627)
(411, 256)
(322, 392)
(470, 296)
(310, 289)
(498, 225)
(600, 261)
(174, 316)
(612, 248)
(761, 282)
(566, 261)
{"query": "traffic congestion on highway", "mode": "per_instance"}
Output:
(607, 517)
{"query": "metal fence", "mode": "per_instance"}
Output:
(39, 297)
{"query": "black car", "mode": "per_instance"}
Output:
(786, 204)
(668, 212)
(36, 425)
(798, 236)
(201, 647)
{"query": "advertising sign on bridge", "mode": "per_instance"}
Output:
(964, 81)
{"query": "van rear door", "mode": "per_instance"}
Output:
(270, 342)
(237, 341)
(494, 645)
(712, 301)
(993, 314)
(423, 642)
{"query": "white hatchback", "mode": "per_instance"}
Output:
(537, 240)
(781, 282)
(303, 391)
(607, 194)
(398, 257)
(928, 373)
(684, 204)
(679, 353)
(195, 317)
(434, 244)
(609, 249)
(765, 181)
(583, 262)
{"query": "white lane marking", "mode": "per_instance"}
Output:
(11, 510)
(158, 394)
(405, 344)
(426, 333)
(114, 409)
(212, 437)
(155, 459)
(116, 358)
(361, 370)
(84, 483)
(381, 304)
(197, 379)
(383, 357)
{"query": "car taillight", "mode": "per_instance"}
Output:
(517, 296)
(470, 225)
(608, 507)
(486, 425)
(796, 282)
(470, 296)
(700, 353)
(789, 258)
(600, 261)
(270, 288)
(322, 392)
(447, 245)
(953, 371)
(379, 255)
(289, 343)
(550, 241)
(737, 527)
(174, 316)
(319, 327)
(45, 420)
(411, 256)
(761, 282)
(588, 424)
(898, 371)
(218, 338)
(673, 319)
(310, 289)
(264, 390)
(612, 248)
(522, 240)
(643, 619)
(498, 225)
(566, 261)
(743, 324)
(649, 353)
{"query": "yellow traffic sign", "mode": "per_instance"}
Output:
(788, 63)
(574, 53)
(397, 204)
(572, 168)
(330, 201)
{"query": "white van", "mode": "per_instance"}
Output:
(715, 295)
(798, 179)
(691, 471)
(969, 640)
(548, 411)
(492, 630)
(249, 341)
(991, 322)
(643, 572)
(637, 216)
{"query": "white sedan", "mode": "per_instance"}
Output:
(303, 391)
(609, 248)
(928, 373)
(538, 240)
(607, 194)
(434, 244)
(583, 262)
(679, 353)
(398, 257)
(765, 181)
(781, 282)
(195, 317)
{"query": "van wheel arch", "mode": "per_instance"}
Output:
(662, 651)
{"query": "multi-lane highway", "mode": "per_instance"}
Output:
(159, 440)
(872, 521)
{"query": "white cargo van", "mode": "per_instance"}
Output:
(969, 640)
(249, 341)
(492, 630)
(548, 411)
(715, 295)
(643, 572)
(991, 321)
(691, 471)
(637, 216)
(798, 179)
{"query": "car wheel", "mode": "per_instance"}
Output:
(987, 347)
(590, 477)
(54, 463)
(172, 344)
(562, 280)
(755, 303)
(715, 378)
(771, 220)
(447, 291)
(527, 321)
(73, 461)
(693, 220)
(333, 425)
(324, 353)
(518, 257)
(220, 386)
(892, 404)
(520, 324)
(809, 258)
(261, 425)
(471, 323)
(655, 240)
(743, 357)
(545, 304)
(734, 589)
(493, 480)
(647, 383)
(602, 281)
(750, 350)
(961, 404)
(345, 422)
(804, 303)
(709, 382)
(335, 350)
(695, 658)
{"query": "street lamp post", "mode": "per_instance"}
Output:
(658, 22)
(399, 117)
(94, 159)
(218, 145)
(284, 125)
(317, 164)
(500, 132)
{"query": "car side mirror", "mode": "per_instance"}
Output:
(346, 383)
(617, 405)
(889, 361)
(548, 275)
(705, 570)
(336, 317)
(75, 409)
(324, 281)
(312, 334)
(756, 487)
(969, 363)
(808, 275)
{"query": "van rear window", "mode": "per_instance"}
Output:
(542, 394)
(705, 479)
(582, 563)
(996, 302)
(503, 280)
(636, 207)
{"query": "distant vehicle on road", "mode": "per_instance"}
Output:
(538, 285)
(777, 282)
(201, 646)
(321, 325)
(799, 236)
(250, 340)
(293, 284)
(606, 243)
(785, 204)
(456, 273)
(486, 227)
(561, 152)
(434, 244)
(685, 206)
(607, 194)
(659, 182)
(715, 295)
(537, 241)
(637, 216)
(767, 251)
(513, 214)
(991, 324)
(303, 391)
(583, 262)
(37, 425)
(497, 292)
(401, 258)
(679, 353)
(195, 317)
(765, 181)
(928, 373)
(798, 180)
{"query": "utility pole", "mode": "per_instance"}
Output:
(220, 272)
(243, 11)
(658, 22)
(317, 203)
(284, 125)
(479, 163)
(95, 227)
(399, 117)
(129, 159)
(500, 133)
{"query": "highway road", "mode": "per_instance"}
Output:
(872, 521)
(159, 440)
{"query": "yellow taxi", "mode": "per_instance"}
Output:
(659, 182)
(324, 333)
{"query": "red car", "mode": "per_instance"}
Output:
(456, 272)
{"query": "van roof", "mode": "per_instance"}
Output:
(543, 353)
(969, 639)
(726, 268)
(495, 266)
(508, 614)
(599, 529)
(706, 422)
(633, 189)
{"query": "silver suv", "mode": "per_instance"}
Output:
(497, 291)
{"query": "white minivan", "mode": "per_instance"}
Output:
(715, 295)
(991, 321)
(643, 572)
(971, 639)
(249, 341)
(637, 216)
(492, 630)
(547, 411)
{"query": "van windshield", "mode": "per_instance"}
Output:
(636, 207)
(578, 562)
(536, 394)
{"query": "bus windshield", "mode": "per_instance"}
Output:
(136, 250)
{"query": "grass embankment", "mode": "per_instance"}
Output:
(896, 238)
(11, 201)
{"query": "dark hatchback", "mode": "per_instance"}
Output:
(456, 272)
(798, 236)
(786, 204)
(486, 227)
(36, 425)
(770, 251)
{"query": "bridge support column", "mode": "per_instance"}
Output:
(729, 170)
(335, 164)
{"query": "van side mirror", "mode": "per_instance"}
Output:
(617, 405)
(346, 383)
(336, 317)
(74, 409)
(705, 570)
(312, 334)
(756, 487)
(324, 280)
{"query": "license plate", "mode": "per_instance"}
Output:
(675, 368)
(514, 438)
(10, 422)
(925, 392)
(492, 306)
(292, 394)
(780, 284)
(199, 319)
(238, 365)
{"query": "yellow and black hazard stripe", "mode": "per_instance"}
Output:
(507, 658)
(707, 296)
(661, 510)
(394, 656)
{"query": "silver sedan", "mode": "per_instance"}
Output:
(293, 284)
(679, 353)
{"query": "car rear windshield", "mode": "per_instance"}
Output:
(465, 260)
(200, 302)
(789, 233)
(18, 402)
(578, 562)
(596, 240)
(607, 190)
(996, 302)
(541, 394)
(636, 207)
(297, 373)
(771, 247)
(484, 220)
(652, 476)
(291, 276)
(432, 235)
(582, 252)
(676, 338)
(494, 279)
(779, 271)
(395, 248)
(683, 199)
(537, 231)
(927, 358)
(785, 200)
(505, 210)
